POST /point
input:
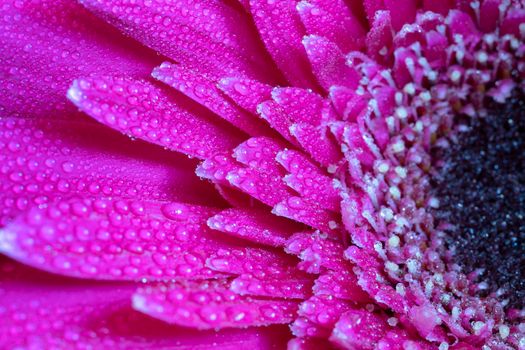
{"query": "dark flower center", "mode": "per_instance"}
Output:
(481, 190)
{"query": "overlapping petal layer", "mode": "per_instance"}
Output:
(87, 315)
(313, 119)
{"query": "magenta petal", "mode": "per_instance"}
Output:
(46, 44)
(125, 105)
(309, 213)
(245, 4)
(205, 92)
(247, 93)
(342, 285)
(359, 329)
(213, 38)
(347, 103)
(295, 285)
(254, 225)
(210, 305)
(379, 39)
(401, 11)
(114, 239)
(442, 6)
(462, 24)
(372, 7)
(259, 155)
(317, 142)
(309, 344)
(383, 294)
(513, 23)
(216, 168)
(317, 252)
(328, 63)
(278, 119)
(90, 315)
(256, 261)
(318, 315)
(334, 20)
(397, 339)
(489, 15)
(264, 187)
(48, 159)
(327, 227)
(309, 180)
(281, 30)
(301, 105)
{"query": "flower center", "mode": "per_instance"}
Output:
(481, 190)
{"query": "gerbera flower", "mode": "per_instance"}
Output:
(359, 174)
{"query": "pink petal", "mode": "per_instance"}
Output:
(281, 30)
(342, 285)
(46, 44)
(262, 272)
(245, 4)
(264, 187)
(383, 294)
(48, 159)
(289, 286)
(254, 225)
(364, 260)
(513, 23)
(140, 109)
(41, 311)
(305, 328)
(354, 138)
(247, 93)
(114, 239)
(259, 155)
(256, 261)
(398, 339)
(441, 7)
(347, 102)
(317, 142)
(318, 315)
(352, 208)
(210, 305)
(460, 23)
(297, 208)
(334, 21)
(489, 15)
(236, 198)
(301, 105)
(359, 329)
(379, 39)
(404, 71)
(317, 252)
(309, 344)
(308, 180)
(372, 7)
(435, 49)
(401, 11)
(278, 119)
(328, 63)
(204, 91)
(425, 318)
(217, 167)
(212, 38)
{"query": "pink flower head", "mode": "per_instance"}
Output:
(318, 130)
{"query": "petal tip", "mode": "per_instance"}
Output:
(74, 93)
(6, 241)
(138, 302)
